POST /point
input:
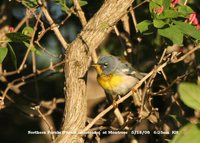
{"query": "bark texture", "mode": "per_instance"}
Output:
(78, 58)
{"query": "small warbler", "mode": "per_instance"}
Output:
(116, 77)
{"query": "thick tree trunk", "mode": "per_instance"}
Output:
(78, 58)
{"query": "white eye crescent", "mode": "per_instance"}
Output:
(105, 65)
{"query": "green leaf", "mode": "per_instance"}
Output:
(172, 34)
(168, 14)
(144, 25)
(17, 37)
(83, 2)
(160, 2)
(27, 30)
(33, 49)
(181, 120)
(152, 6)
(188, 134)
(30, 3)
(189, 94)
(166, 4)
(63, 5)
(3, 53)
(65, 9)
(184, 10)
(158, 23)
(188, 29)
(13, 56)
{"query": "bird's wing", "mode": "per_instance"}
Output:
(127, 69)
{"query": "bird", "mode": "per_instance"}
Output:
(115, 76)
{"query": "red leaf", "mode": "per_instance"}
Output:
(174, 2)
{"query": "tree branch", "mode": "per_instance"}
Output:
(78, 59)
(53, 25)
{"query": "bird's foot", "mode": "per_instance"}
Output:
(133, 90)
(115, 104)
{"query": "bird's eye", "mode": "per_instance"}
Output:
(105, 65)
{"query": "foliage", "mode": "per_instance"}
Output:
(65, 5)
(169, 21)
(189, 94)
(30, 3)
(32, 74)
(3, 54)
(17, 37)
(187, 134)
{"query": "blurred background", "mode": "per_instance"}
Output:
(143, 52)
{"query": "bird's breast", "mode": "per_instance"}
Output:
(116, 84)
(109, 82)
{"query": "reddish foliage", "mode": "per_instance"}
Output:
(11, 29)
(174, 2)
(193, 18)
(159, 10)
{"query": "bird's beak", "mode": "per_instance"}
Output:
(98, 68)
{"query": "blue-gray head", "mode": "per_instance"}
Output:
(108, 64)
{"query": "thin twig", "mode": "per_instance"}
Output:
(134, 19)
(185, 3)
(20, 24)
(21, 81)
(175, 60)
(37, 108)
(53, 25)
(51, 105)
(80, 12)
(119, 116)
